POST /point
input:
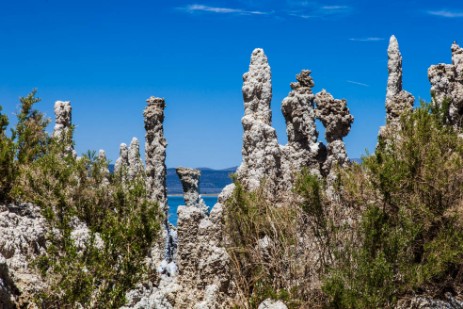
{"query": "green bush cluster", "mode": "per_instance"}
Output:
(409, 239)
(123, 224)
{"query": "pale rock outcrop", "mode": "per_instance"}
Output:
(447, 86)
(155, 157)
(190, 182)
(104, 170)
(22, 231)
(398, 100)
(63, 122)
(203, 262)
(272, 304)
(135, 168)
(261, 152)
(337, 120)
(427, 302)
(122, 163)
(302, 149)
(155, 150)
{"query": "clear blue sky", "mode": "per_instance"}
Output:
(107, 57)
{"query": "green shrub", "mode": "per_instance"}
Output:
(123, 224)
(410, 236)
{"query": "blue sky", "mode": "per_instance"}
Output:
(107, 57)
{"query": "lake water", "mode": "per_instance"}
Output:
(175, 201)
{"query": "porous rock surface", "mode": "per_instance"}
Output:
(155, 150)
(426, 302)
(63, 118)
(272, 304)
(203, 262)
(63, 122)
(263, 158)
(135, 165)
(303, 149)
(447, 86)
(337, 120)
(261, 152)
(122, 163)
(189, 178)
(155, 157)
(398, 100)
(22, 237)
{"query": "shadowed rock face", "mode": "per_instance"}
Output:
(190, 182)
(447, 86)
(261, 152)
(336, 118)
(398, 100)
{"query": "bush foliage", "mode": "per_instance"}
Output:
(74, 193)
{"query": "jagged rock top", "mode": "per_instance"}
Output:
(63, 116)
(257, 88)
(447, 86)
(156, 101)
(334, 115)
(394, 66)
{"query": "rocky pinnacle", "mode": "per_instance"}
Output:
(302, 149)
(447, 86)
(398, 101)
(337, 120)
(155, 150)
(63, 121)
(190, 182)
(135, 164)
(122, 163)
(155, 156)
(104, 171)
(261, 152)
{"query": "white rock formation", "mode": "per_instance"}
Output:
(22, 237)
(63, 118)
(337, 120)
(122, 163)
(398, 100)
(155, 156)
(272, 304)
(302, 149)
(155, 150)
(189, 178)
(104, 170)
(447, 86)
(135, 168)
(261, 152)
(203, 263)
(63, 122)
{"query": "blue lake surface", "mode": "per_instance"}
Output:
(175, 201)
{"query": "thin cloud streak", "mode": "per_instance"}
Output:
(357, 83)
(334, 7)
(446, 13)
(369, 39)
(220, 10)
